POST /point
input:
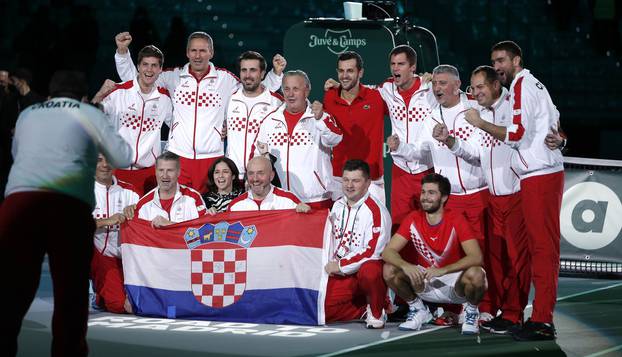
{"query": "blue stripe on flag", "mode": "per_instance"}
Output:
(270, 306)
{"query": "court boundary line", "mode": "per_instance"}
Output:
(360, 347)
(604, 352)
(375, 343)
(589, 291)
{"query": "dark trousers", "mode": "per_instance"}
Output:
(31, 225)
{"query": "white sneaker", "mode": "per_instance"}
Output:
(471, 321)
(372, 322)
(485, 317)
(416, 318)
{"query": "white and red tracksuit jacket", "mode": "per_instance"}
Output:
(465, 178)
(407, 123)
(276, 199)
(243, 122)
(139, 120)
(303, 160)
(109, 201)
(493, 155)
(359, 233)
(198, 105)
(187, 204)
(533, 116)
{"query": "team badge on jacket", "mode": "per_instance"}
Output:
(218, 261)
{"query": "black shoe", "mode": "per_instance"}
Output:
(535, 331)
(399, 315)
(500, 326)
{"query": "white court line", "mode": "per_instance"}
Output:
(582, 293)
(442, 327)
(589, 291)
(604, 352)
(355, 348)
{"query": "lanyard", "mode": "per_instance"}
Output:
(343, 229)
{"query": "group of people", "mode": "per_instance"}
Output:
(475, 197)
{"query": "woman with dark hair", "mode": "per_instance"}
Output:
(223, 185)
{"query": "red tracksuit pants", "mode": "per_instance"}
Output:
(405, 194)
(347, 296)
(194, 172)
(107, 275)
(143, 180)
(541, 202)
(33, 224)
(507, 256)
(474, 207)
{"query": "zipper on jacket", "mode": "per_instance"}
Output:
(493, 142)
(140, 130)
(194, 128)
(319, 180)
(107, 216)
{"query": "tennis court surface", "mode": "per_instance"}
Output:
(587, 320)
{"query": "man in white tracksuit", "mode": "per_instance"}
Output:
(262, 195)
(541, 168)
(247, 107)
(170, 202)
(506, 253)
(138, 108)
(300, 136)
(111, 197)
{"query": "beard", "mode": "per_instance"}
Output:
(251, 87)
(352, 83)
(506, 79)
(431, 207)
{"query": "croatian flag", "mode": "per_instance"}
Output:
(259, 267)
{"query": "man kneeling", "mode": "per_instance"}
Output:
(448, 263)
(361, 227)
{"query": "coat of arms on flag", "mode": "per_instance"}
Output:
(218, 261)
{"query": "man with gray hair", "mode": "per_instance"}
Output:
(469, 192)
(300, 136)
(200, 92)
(170, 202)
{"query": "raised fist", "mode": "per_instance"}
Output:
(317, 108)
(123, 41)
(278, 64)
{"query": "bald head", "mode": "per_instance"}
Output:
(260, 174)
(259, 162)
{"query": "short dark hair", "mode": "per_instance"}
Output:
(168, 156)
(151, 51)
(443, 182)
(23, 74)
(490, 75)
(511, 48)
(410, 53)
(71, 84)
(348, 55)
(252, 55)
(356, 164)
(201, 35)
(237, 184)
